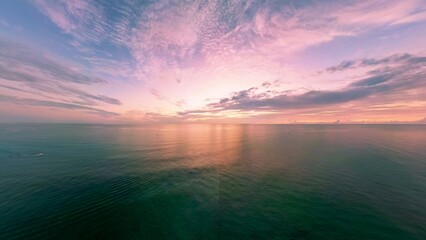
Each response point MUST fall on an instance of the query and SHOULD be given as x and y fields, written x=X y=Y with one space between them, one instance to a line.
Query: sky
x=219 y=61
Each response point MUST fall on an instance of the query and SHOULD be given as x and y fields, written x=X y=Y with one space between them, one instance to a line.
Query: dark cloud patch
x=62 y=105
x=268 y=84
x=241 y=95
x=404 y=58
x=372 y=81
x=308 y=99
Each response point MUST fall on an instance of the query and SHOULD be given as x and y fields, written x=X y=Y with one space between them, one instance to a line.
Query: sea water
x=61 y=181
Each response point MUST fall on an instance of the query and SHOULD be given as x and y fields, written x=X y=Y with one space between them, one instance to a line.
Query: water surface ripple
x=212 y=182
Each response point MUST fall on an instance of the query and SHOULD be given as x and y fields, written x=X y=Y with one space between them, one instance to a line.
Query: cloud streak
x=21 y=64
x=32 y=72
x=395 y=59
x=53 y=104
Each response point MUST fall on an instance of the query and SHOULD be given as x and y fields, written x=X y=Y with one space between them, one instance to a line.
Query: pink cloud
x=215 y=48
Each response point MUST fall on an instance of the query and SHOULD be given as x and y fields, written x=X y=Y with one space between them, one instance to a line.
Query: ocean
x=75 y=181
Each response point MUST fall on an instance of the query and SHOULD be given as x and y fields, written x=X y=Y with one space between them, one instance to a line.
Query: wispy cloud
x=83 y=19
x=93 y=21
x=162 y=97
x=23 y=64
x=171 y=36
x=172 y=55
x=25 y=70
x=396 y=59
x=381 y=12
x=53 y=104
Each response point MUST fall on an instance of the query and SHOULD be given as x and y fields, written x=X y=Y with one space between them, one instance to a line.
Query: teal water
x=212 y=182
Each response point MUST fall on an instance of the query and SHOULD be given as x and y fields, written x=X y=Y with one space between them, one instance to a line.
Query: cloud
x=408 y=72
x=216 y=47
x=75 y=17
x=159 y=96
x=23 y=64
x=168 y=36
x=382 y=12
x=53 y=83
x=372 y=62
x=62 y=105
x=40 y=74
x=91 y=21
x=99 y=30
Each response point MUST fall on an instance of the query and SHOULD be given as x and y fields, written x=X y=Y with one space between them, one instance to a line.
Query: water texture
x=212 y=181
